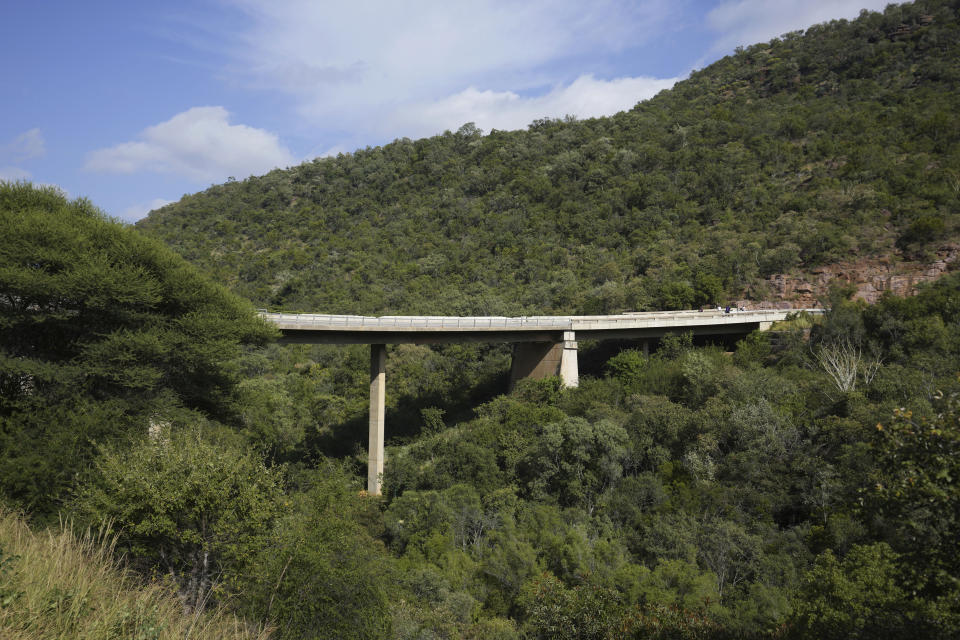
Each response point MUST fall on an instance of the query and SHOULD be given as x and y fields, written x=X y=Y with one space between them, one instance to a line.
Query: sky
x=134 y=104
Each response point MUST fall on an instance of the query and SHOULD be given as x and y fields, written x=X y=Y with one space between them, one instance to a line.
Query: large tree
x=102 y=331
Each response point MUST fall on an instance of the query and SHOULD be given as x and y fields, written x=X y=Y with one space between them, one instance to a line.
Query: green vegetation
x=752 y=493
x=58 y=586
x=103 y=332
x=324 y=575
x=834 y=144
x=189 y=509
x=803 y=487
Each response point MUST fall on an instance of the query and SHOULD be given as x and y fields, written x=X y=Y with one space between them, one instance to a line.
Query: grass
x=797 y=320
x=58 y=585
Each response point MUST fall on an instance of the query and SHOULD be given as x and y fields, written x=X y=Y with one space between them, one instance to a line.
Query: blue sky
x=133 y=104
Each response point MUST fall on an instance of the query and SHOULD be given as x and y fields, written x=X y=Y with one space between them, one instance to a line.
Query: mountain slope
x=841 y=141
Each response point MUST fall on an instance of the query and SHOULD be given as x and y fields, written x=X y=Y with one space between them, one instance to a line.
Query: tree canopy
x=102 y=331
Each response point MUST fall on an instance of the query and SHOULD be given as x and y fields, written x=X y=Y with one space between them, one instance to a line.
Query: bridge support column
x=569 y=369
x=378 y=389
x=540 y=360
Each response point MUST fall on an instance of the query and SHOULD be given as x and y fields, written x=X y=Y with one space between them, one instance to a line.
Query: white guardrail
x=324 y=322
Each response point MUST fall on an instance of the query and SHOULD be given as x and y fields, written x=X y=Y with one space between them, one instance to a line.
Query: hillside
x=837 y=143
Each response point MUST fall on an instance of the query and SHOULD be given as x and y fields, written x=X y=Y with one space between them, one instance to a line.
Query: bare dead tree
x=869 y=368
x=840 y=360
x=844 y=362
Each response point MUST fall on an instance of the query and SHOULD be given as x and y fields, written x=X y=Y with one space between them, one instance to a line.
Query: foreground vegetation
x=56 y=585
x=102 y=332
x=803 y=485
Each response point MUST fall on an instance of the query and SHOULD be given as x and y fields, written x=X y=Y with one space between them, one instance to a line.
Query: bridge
x=543 y=345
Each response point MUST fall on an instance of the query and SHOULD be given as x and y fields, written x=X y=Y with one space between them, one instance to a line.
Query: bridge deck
x=344 y=329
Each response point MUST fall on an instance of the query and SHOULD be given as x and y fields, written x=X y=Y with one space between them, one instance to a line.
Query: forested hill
x=842 y=141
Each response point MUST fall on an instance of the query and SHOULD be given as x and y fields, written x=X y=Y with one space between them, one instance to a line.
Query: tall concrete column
x=378 y=393
x=569 y=371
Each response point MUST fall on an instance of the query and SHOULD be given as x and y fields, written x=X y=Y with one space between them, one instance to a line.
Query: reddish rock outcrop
x=871 y=277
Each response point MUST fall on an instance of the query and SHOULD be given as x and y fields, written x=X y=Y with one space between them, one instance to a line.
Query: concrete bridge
x=543 y=345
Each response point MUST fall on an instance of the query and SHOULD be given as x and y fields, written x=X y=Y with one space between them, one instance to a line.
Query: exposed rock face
x=871 y=277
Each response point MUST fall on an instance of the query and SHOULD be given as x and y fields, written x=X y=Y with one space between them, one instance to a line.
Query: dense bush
x=102 y=332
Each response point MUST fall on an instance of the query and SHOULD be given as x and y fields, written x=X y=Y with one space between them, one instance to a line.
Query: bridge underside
x=308 y=336
x=536 y=354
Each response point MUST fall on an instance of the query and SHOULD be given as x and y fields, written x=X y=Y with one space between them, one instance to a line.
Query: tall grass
x=58 y=585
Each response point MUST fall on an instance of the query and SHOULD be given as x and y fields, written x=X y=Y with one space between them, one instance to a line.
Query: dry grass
x=55 y=584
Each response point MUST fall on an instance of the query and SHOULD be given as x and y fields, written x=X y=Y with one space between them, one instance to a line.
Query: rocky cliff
x=871 y=277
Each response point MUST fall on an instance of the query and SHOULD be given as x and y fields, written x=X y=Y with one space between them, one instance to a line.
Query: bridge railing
x=416 y=322
x=468 y=323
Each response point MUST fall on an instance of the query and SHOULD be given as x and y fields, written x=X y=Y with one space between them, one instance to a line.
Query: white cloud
x=136 y=211
x=366 y=67
x=334 y=151
x=199 y=144
x=27 y=146
x=12 y=174
x=401 y=48
x=585 y=97
x=746 y=22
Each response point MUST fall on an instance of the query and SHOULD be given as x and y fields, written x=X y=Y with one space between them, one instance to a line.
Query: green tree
x=914 y=502
x=184 y=507
x=680 y=583
x=101 y=331
x=556 y=612
x=858 y=597
x=322 y=575
x=574 y=461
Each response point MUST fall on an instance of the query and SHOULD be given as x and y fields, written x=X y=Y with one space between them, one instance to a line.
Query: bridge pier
x=540 y=360
x=569 y=369
x=378 y=393
x=544 y=346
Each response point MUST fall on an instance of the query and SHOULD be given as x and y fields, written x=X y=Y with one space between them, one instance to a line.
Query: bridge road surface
x=544 y=345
